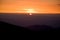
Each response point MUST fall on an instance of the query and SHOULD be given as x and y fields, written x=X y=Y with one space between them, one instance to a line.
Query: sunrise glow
x=30 y=6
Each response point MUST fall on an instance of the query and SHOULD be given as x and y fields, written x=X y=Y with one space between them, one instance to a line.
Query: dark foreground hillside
x=6 y=27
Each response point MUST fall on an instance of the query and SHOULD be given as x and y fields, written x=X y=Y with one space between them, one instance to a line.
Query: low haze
x=36 y=19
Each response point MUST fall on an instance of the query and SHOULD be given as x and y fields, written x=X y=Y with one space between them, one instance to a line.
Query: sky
x=38 y=6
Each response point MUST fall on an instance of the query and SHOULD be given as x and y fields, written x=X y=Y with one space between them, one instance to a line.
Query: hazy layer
x=26 y=20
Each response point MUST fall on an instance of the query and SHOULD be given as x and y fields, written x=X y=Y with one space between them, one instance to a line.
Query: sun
x=30 y=11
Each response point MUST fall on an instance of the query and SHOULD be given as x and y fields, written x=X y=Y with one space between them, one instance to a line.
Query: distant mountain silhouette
x=6 y=27
x=40 y=27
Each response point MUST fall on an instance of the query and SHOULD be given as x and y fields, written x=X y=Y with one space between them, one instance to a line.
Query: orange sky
x=40 y=6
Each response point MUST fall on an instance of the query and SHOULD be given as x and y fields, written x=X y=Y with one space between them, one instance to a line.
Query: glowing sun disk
x=30 y=10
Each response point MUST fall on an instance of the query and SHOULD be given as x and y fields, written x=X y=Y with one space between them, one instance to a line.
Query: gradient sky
x=40 y=6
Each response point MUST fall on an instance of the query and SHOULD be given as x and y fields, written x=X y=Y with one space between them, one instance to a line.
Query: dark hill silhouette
x=6 y=27
x=11 y=28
